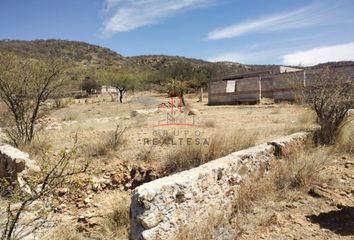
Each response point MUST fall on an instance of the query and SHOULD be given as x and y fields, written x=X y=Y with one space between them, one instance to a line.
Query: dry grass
x=69 y=117
x=297 y=172
x=189 y=156
x=275 y=111
x=115 y=223
x=37 y=148
x=146 y=154
x=202 y=230
x=107 y=143
x=62 y=102
x=60 y=231
x=183 y=158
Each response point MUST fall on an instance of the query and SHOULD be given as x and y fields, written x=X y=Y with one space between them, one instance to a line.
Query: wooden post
x=201 y=95
x=260 y=88
x=304 y=78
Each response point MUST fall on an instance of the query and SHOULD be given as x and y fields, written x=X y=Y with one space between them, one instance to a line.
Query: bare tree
x=39 y=188
x=330 y=94
x=24 y=85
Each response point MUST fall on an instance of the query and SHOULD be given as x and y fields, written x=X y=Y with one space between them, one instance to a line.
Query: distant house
x=108 y=89
x=251 y=87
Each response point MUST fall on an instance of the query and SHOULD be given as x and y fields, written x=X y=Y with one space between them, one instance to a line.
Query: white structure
x=108 y=89
x=284 y=69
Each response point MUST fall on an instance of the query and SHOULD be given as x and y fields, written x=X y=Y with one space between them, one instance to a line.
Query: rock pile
x=125 y=178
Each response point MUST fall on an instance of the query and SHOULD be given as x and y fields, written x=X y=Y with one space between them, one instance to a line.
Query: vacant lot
x=145 y=137
x=123 y=142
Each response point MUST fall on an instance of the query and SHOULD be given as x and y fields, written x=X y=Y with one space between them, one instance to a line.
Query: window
x=230 y=86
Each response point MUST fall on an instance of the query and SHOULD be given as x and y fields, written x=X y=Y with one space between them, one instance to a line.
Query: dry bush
x=297 y=172
x=146 y=154
x=300 y=170
x=107 y=143
x=189 y=156
x=251 y=191
x=115 y=223
x=61 y=102
x=96 y=149
x=330 y=96
x=115 y=138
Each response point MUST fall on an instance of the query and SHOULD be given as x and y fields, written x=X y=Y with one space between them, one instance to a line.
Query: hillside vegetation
x=150 y=71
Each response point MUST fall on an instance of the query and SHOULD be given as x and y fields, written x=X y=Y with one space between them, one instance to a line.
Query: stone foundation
x=161 y=208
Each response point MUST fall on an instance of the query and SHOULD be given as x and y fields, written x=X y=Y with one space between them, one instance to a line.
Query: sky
x=292 y=32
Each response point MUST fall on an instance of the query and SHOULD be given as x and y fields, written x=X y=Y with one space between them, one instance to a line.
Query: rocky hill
x=96 y=56
x=90 y=55
x=80 y=52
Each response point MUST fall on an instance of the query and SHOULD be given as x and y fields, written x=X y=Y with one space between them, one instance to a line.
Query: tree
x=330 y=95
x=24 y=85
x=176 y=88
x=90 y=85
x=122 y=81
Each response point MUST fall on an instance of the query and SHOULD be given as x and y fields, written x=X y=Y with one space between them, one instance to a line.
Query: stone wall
x=14 y=162
x=161 y=208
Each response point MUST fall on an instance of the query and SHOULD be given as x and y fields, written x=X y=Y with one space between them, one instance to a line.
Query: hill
x=80 y=52
x=99 y=57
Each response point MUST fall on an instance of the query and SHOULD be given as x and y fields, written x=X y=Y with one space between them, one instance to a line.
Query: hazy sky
x=289 y=32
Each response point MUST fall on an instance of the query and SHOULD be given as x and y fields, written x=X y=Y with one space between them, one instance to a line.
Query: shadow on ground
x=338 y=221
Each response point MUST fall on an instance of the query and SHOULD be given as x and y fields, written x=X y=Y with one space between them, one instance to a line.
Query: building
x=251 y=87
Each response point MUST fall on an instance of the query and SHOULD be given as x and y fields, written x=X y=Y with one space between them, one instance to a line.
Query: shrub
x=25 y=84
x=330 y=96
x=90 y=85
x=297 y=172
x=109 y=142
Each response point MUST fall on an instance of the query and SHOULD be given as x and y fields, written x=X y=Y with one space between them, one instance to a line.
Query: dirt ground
x=325 y=214
x=90 y=121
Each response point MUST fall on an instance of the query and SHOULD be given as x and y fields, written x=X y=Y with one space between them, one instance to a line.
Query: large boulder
x=14 y=162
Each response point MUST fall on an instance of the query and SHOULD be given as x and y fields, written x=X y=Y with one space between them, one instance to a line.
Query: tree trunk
x=121 y=94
